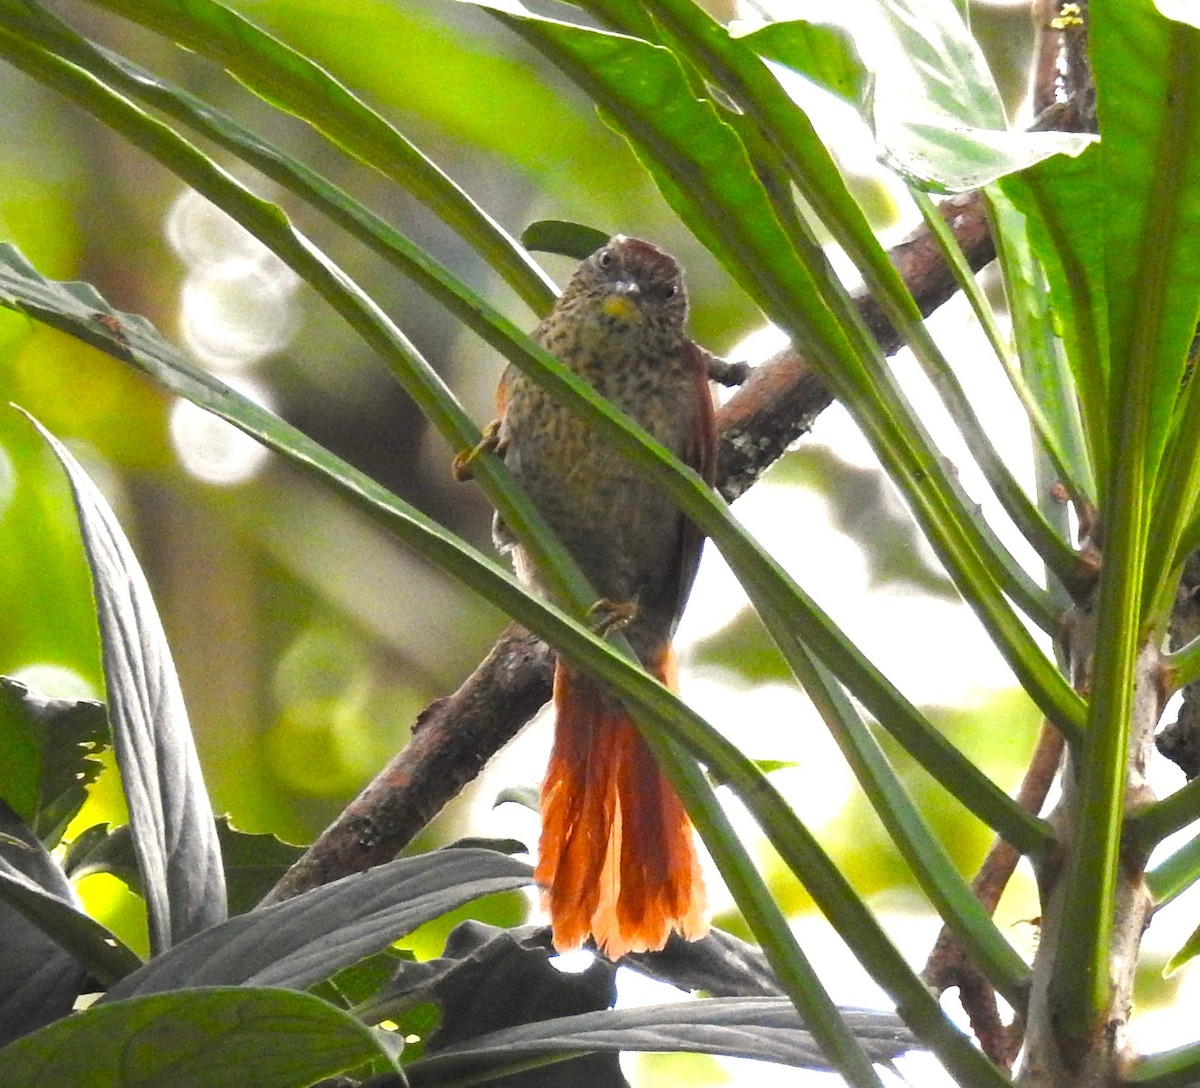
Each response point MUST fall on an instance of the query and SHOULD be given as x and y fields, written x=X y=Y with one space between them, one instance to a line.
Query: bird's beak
x=622 y=300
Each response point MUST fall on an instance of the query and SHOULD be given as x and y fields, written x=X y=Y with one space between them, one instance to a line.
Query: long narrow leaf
x=174 y=831
x=1172 y=876
x=1149 y=107
x=927 y=858
x=747 y=80
x=90 y=943
x=1043 y=383
x=1148 y=80
x=1060 y=199
x=761 y=1028
x=287 y=78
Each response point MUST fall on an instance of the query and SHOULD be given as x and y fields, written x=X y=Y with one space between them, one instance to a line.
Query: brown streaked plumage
x=617 y=857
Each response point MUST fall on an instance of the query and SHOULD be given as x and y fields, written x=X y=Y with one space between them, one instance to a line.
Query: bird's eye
x=669 y=291
x=605 y=259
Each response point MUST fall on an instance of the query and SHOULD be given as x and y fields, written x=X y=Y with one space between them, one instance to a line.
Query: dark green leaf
x=482 y=842
x=36 y=899
x=40 y=979
x=762 y=1028
x=207 y=1039
x=821 y=52
x=354 y=984
x=306 y=939
x=253 y=863
x=565 y=239
x=497 y=979
x=49 y=748
x=1061 y=200
x=528 y=796
x=174 y=833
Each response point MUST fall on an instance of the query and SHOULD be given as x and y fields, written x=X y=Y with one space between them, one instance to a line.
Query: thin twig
x=950 y=964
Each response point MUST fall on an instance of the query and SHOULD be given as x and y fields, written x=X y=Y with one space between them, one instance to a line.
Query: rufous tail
x=617 y=858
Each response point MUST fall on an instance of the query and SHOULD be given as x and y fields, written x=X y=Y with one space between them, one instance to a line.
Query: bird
x=617 y=858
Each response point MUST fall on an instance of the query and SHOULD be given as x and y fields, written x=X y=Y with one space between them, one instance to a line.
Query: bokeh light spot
x=212 y=450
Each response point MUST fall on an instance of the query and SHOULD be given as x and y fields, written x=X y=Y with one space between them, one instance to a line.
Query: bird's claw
x=608 y=617
x=462 y=464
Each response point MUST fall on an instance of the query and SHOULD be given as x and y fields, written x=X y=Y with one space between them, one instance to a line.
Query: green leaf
x=50 y=748
x=565 y=239
x=50 y=906
x=253 y=863
x=1188 y=951
x=41 y=979
x=936 y=111
x=1177 y=872
x=1043 y=383
x=1148 y=98
x=310 y=937
x=1061 y=201
x=823 y=53
x=519 y=795
x=761 y=1028
x=1147 y=70
x=1177 y=1068
x=201 y=1039
x=289 y=80
x=174 y=833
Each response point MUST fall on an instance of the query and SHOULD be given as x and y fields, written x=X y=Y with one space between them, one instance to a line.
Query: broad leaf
x=36 y=900
x=49 y=748
x=253 y=863
x=39 y=980
x=498 y=979
x=174 y=833
x=937 y=113
x=304 y=940
x=763 y=1028
x=200 y=1039
x=821 y=52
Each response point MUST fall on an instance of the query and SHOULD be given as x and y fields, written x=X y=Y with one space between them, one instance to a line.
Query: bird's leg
x=489 y=443
x=608 y=617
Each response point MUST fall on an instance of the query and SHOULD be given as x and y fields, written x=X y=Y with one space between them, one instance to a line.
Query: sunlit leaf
x=49 y=748
x=201 y=1039
x=937 y=113
x=821 y=52
x=174 y=833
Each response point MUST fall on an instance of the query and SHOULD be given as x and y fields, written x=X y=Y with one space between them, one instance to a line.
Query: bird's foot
x=462 y=464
